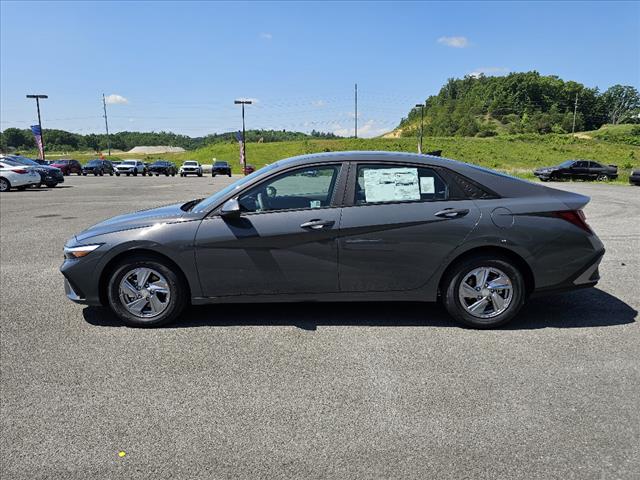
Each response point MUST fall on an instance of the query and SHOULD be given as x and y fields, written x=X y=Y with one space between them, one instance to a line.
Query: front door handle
x=317 y=224
x=452 y=213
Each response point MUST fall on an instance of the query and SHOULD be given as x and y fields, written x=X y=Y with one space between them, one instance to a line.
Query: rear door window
x=398 y=183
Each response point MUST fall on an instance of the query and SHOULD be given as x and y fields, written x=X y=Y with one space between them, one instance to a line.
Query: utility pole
x=575 y=111
x=38 y=97
x=421 y=106
x=106 y=123
x=356 y=117
x=244 y=145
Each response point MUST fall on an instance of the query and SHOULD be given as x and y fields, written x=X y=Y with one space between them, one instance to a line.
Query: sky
x=178 y=66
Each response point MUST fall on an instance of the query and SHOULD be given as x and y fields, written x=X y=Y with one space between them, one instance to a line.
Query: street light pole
x=38 y=97
x=421 y=125
x=244 y=143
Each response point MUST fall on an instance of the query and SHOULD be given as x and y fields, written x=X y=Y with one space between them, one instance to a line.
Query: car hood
x=144 y=218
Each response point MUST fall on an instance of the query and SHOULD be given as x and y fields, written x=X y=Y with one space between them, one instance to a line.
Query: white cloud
x=488 y=71
x=455 y=42
x=318 y=103
x=368 y=129
x=266 y=36
x=115 y=99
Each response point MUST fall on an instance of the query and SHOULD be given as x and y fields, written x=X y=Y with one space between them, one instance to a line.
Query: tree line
x=521 y=103
x=61 y=140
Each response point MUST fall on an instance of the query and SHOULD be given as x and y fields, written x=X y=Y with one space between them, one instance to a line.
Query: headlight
x=79 y=252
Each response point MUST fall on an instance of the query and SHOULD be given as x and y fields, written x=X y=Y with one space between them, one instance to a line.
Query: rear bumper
x=585 y=277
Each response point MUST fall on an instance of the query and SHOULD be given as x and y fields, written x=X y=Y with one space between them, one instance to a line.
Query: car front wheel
x=484 y=292
x=5 y=186
x=144 y=292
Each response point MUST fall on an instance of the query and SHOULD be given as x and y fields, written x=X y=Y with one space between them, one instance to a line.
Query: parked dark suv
x=221 y=168
x=162 y=167
x=577 y=170
x=98 y=167
x=68 y=166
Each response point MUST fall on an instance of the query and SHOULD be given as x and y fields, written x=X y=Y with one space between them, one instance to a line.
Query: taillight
x=21 y=171
x=576 y=217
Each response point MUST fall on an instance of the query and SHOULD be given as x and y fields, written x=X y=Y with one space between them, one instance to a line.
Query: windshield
x=211 y=201
x=221 y=164
x=11 y=163
x=566 y=164
x=61 y=162
x=24 y=161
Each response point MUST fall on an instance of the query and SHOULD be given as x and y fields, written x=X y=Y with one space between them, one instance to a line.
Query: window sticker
x=391 y=184
x=427 y=185
x=315 y=204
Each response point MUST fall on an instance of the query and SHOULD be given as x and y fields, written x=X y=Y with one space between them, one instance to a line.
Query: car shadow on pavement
x=580 y=309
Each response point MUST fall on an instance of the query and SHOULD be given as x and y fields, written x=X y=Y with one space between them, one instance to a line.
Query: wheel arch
x=514 y=257
x=110 y=266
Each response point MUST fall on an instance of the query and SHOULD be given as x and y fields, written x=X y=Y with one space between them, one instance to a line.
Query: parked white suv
x=18 y=176
x=131 y=167
x=190 y=167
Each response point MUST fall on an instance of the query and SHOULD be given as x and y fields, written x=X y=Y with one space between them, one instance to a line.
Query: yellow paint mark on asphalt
x=122 y=453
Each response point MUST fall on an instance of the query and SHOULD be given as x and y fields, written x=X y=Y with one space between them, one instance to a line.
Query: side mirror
x=230 y=209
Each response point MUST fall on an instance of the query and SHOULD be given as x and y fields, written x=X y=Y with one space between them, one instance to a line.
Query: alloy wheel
x=485 y=292
x=144 y=292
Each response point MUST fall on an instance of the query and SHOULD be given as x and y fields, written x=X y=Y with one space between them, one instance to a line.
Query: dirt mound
x=157 y=149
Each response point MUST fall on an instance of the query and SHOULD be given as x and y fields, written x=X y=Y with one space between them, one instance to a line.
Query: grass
x=514 y=154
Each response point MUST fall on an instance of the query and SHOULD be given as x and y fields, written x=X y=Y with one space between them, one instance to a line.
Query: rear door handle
x=317 y=224
x=452 y=213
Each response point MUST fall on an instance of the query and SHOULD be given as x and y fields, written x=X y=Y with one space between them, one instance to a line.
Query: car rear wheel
x=484 y=292
x=144 y=292
x=602 y=178
x=5 y=186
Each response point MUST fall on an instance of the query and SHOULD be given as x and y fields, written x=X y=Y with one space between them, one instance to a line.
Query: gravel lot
x=310 y=390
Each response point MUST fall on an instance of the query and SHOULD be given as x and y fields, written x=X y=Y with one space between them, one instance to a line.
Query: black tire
x=229 y=173
x=117 y=174
x=455 y=276
x=5 y=185
x=213 y=174
x=38 y=185
x=178 y=292
x=200 y=174
x=51 y=185
x=95 y=173
x=111 y=174
x=603 y=178
x=101 y=173
x=84 y=174
x=66 y=174
x=135 y=173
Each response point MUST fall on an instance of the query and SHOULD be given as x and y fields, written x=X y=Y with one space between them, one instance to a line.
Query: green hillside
x=520 y=103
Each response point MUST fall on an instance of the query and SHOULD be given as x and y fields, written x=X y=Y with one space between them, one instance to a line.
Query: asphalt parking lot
x=310 y=390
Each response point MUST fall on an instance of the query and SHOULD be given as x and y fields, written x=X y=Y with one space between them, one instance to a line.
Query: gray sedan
x=349 y=226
